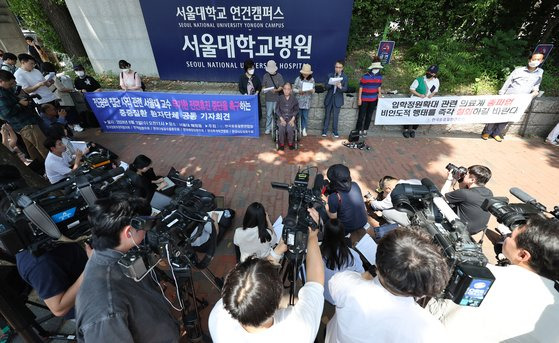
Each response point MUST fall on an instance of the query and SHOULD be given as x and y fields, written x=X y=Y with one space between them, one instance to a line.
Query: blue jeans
x=304 y=116
x=270 y=108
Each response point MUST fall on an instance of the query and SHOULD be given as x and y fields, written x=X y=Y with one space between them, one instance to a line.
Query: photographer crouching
x=345 y=200
x=111 y=306
x=523 y=303
x=468 y=198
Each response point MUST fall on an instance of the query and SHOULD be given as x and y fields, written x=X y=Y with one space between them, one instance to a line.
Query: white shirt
x=249 y=243
x=522 y=81
x=366 y=312
x=429 y=84
x=521 y=306
x=356 y=266
x=28 y=79
x=386 y=203
x=57 y=167
x=297 y=323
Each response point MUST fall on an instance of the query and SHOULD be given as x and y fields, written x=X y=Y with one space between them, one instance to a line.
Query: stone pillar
x=111 y=31
x=11 y=38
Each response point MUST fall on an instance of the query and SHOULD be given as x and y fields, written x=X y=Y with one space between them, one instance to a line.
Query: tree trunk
x=32 y=178
x=551 y=26
x=62 y=22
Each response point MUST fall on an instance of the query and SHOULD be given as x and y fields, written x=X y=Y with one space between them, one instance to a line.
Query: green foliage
x=36 y=20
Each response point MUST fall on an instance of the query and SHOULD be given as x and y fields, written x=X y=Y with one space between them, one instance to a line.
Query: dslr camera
x=458 y=173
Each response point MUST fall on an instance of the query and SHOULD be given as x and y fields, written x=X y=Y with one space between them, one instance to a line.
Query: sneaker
x=412 y=133
x=291 y=147
x=281 y=147
x=323 y=135
x=267 y=132
x=485 y=136
x=304 y=132
x=555 y=143
x=406 y=134
x=498 y=138
x=77 y=128
x=336 y=135
x=364 y=132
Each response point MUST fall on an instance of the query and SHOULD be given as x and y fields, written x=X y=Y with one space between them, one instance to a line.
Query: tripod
x=190 y=303
x=290 y=268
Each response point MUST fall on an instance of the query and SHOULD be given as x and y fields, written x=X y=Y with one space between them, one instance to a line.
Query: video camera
x=424 y=205
x=513 y=216
x=40 y=220
x=298 y=220
x=170 y=235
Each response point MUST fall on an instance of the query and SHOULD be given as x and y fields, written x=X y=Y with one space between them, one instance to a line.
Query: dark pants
x=365 y=115
x=413 y=127
x=495 y=129
x=331 y=112
x=282 y=130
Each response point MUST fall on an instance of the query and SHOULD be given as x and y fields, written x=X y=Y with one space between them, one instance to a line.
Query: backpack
x=142 y=85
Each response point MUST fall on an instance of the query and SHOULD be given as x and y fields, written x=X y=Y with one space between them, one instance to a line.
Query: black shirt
x=88 y=83
x=468 y=206
x=349 y=207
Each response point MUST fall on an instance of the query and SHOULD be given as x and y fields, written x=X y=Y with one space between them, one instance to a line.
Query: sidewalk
x=241 y=169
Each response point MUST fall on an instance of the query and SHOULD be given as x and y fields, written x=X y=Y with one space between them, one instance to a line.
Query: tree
x=60 y=18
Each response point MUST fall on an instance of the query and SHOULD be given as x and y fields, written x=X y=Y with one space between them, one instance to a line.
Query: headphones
x=144 y=223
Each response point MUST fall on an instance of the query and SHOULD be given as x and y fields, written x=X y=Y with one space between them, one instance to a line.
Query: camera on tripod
x=298 y=220
x=424 y=205
x=170 y=234
x=458 y=173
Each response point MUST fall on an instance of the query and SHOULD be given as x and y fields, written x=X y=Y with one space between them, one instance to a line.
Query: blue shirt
x=54 y=271
x=349 y=207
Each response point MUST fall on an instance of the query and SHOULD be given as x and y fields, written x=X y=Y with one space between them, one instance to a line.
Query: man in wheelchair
x=287 y=108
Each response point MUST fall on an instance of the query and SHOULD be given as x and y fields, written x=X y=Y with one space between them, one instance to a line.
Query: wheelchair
x=275 y=131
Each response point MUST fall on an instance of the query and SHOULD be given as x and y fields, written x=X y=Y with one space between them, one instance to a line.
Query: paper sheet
x=334 y=80
x=368 y=247
x=278 y=229
x=307 y=86
x=50 y=76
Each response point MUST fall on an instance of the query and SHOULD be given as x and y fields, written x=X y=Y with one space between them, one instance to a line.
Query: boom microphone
x=526 y=198
x=318 y=185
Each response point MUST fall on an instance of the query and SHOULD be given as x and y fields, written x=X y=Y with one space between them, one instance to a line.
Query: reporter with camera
x=110 y=306
x=345 y=200
x=523 y=303
x=57 y=163
x=16 y=112
x=249 y=309
x=389 y=213
x=384 y=308
x=468 y=198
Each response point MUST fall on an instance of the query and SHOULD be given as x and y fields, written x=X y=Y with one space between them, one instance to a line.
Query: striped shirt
x=370 y=83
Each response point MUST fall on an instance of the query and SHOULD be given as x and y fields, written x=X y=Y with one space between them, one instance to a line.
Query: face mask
x=428 y=75
x=534 y=64
x=250 y=71
x=80 y=73
x=375 y=71
x=125 y=70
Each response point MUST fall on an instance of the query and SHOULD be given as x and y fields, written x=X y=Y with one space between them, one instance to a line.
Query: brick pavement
x=241 y=169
